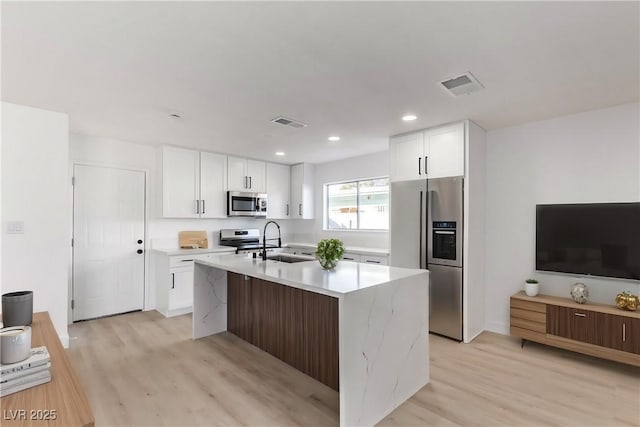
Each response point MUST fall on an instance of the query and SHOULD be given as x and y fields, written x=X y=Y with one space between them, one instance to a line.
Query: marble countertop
x=211 y=250
x=347 y=277
x=355 y=249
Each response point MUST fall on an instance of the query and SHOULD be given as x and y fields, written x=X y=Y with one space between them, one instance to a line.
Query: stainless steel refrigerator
x=426 y=231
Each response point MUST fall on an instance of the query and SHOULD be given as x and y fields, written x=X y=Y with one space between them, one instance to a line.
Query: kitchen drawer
x=181 y=261
x=350 y=256
x=308 y=252
x=370 y=259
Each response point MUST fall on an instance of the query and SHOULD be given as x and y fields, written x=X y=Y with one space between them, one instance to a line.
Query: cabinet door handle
x=173 y=280
x=197 y=206
x=370 y=261
x=287 y=209
x=250 y=182
x=426 y=171
x=580 y=314
x=419 y=165
x=186 y=260
x=300 y=209
x=203 y=206
x=624 y=332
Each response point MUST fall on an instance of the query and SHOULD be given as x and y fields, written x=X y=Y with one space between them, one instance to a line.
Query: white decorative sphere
x=579 y=293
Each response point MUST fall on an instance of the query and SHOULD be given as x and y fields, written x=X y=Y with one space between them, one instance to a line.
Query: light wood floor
x=143 y=369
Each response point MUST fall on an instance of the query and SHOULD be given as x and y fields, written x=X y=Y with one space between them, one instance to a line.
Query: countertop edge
x=296 y=284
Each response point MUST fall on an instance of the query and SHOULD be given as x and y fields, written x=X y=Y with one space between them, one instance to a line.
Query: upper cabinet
x=407 y=153
x=278 y=191
x=302 y=191
x=213 y=185
x=246 y=175
x=445 y=155
x=433 y=153
x=180 y=183
x=193 y=184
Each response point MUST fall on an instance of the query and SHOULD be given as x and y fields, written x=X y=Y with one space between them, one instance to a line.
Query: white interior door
x=108 y=233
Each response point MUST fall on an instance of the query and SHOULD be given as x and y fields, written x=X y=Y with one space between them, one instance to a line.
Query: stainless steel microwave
x=246 y=204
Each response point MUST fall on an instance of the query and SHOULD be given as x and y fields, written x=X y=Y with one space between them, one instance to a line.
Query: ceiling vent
x=289 y=122
x=462 y=85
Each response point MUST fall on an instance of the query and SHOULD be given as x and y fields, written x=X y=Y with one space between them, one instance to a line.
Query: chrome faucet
x=264 y=239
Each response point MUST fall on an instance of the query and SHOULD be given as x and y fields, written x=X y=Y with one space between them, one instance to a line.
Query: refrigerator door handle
x=423 y=228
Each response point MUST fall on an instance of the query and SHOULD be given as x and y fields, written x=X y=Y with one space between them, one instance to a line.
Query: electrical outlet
x=15 y=227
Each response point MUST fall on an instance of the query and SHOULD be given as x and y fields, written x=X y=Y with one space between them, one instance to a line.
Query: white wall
x=582 y=158
x=367 y=166
x=160 y=232
x=37 y=191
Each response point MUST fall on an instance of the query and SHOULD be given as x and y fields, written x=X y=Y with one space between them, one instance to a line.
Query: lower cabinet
x=296 y=326
x=181 y=290
x=598 y=330
x=172 y=278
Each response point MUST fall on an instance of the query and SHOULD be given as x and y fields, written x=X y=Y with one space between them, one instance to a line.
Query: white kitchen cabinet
x=351 y=256
x=432 y=153
x=407 y=154
x=172 y=278
x=181 y=290
x=446 y=151
x=246 y=175
x=371 y=259
x=278 y=191
x=180 y=182
x=213 y=185
x=193 y=184
x=302 y=191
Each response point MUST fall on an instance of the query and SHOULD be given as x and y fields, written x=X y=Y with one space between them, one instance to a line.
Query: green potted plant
x=328 y=252
x=531 y=287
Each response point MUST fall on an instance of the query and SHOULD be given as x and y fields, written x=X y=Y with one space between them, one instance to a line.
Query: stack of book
x=33 y=371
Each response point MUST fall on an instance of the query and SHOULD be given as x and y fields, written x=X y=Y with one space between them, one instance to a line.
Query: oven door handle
x=443 y=232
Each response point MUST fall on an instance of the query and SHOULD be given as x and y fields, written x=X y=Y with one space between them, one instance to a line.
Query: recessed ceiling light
x=279 y=153
x=334 y=138
x=409 y=117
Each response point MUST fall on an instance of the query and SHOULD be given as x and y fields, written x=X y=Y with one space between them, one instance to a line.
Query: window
x=358 y=205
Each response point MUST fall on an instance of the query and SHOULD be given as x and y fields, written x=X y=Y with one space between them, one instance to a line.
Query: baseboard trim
x=64 y=339
x=497 y=327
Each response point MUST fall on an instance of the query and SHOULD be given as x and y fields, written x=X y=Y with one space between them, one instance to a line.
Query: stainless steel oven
x=246 y=204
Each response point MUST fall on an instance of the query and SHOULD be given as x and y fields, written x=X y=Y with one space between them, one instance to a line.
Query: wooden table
x=63 y=394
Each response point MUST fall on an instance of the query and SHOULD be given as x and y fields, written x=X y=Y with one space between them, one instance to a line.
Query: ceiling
x=353 y=69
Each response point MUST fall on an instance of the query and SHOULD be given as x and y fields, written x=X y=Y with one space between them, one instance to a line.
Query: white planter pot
x=531 y=289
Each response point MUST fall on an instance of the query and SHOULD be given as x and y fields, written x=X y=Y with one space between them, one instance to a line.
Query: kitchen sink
x=287 y=259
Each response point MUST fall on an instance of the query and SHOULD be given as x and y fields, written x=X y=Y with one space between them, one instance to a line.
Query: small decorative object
x=579 y=293
x=627 y=301
x=328 y=252
x=17 y=308
x=531 y=287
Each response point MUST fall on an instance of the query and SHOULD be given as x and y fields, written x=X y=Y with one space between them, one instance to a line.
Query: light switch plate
x=15 y=227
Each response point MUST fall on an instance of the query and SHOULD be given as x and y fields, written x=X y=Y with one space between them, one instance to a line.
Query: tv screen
x=600 y=239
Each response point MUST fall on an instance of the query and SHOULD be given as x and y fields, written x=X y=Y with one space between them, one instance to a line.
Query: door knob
x=139 y=251
x=139 y=241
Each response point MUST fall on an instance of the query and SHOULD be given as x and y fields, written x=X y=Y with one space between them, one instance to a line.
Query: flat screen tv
x=600 y=239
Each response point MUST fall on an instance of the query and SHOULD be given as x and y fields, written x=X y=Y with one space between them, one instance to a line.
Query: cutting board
x=193 y=239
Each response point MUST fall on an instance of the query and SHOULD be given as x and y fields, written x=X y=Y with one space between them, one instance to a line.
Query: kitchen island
x=361 y=329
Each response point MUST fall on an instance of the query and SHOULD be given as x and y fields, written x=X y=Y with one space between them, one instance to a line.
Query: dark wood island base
x=296 y=326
